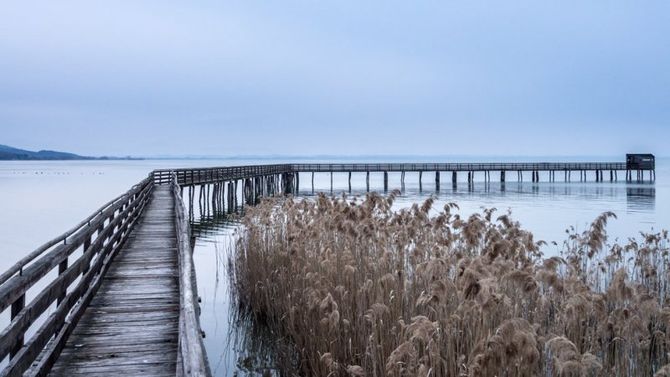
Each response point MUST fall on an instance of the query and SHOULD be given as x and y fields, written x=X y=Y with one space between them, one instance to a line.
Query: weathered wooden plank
x=78 y=298
x=131 y=326
x=23 y=317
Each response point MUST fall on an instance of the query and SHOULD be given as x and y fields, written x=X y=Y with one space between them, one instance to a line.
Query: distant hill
x=11 y=153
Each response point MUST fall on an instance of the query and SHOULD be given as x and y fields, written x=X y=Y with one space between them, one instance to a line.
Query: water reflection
x=236 y=345
x=212 y=224
x=641 y=198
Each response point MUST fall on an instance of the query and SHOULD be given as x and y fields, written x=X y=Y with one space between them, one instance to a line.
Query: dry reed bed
x=362 y=290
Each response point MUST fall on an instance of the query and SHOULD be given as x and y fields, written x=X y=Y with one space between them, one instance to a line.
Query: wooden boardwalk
x=131 y=327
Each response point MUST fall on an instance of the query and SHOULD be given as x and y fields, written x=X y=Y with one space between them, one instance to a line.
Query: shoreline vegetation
x=354 y=288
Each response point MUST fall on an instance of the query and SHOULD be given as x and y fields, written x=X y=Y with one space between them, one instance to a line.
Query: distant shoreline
x=8 y=153
x=74 y=159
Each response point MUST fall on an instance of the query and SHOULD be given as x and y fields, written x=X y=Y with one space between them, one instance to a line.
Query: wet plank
x=131 y=326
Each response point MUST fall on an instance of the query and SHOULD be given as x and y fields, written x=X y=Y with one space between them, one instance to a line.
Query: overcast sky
x=336 y=77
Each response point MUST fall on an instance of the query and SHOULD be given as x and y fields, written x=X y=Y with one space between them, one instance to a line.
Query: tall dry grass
x=360 y=289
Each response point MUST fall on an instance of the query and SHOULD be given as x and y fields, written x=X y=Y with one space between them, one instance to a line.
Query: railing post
x=62 y=267
x=87 y=245
x=17 y=306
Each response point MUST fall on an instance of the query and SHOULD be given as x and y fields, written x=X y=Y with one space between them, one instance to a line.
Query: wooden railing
x=98 y=238
x=187 y=177
x=192 y=357
x=479 y=166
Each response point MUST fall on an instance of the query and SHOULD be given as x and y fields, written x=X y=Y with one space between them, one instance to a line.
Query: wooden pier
x=132 y=323
x=262 y=180
x=116 y=294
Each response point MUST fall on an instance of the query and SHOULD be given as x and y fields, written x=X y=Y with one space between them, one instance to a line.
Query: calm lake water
x=40 y=200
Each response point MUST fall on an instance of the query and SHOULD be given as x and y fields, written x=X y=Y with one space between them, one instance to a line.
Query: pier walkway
x=131 y=327
x=114 y=296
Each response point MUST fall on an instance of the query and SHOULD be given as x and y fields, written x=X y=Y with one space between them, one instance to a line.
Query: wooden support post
x=255 y=184
x=420 y=183
x=349 y=181
x=207 y=202
x=213 y=198
x=235 y=196
x=437 y=181
x=246 y=191
x=312 y=182
x=222 y=200
x=502 y=176
x=231 y=197
x=454 y=177
x=297 y=182
x=367 y=181
x=386 y=181
x=331 y=181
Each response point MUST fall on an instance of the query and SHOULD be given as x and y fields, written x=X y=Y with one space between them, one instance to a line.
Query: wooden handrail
x=18 y=266
x=99 y=237
x=192 y=355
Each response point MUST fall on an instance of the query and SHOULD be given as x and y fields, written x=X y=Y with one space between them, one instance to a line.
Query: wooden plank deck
x=131 y=326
